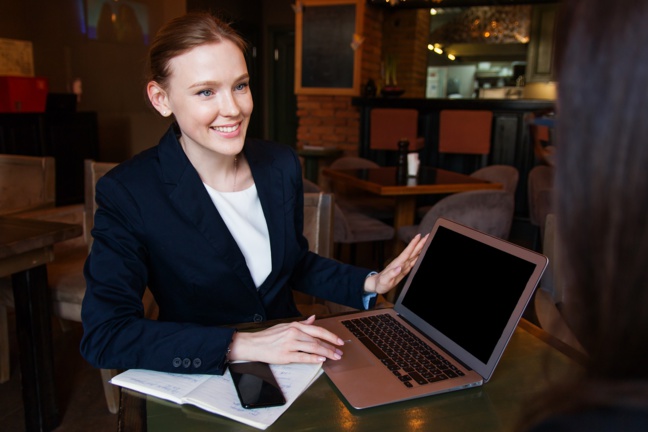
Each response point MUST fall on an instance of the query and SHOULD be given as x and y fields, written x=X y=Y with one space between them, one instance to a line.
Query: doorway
x=282 y=116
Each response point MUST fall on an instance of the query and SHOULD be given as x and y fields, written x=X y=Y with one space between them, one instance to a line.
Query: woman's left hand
x=397 y=269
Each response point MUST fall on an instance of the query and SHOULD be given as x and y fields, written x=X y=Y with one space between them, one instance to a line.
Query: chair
x=26 y=183
x=506 y=175
x=549 y=296
x=359 y=201
x=352 y=227
x=390 y=125
x=65 y=273
x=540 y=131
x=490 y=211
x=464 y=139
x=318 y=230
x=540 y=196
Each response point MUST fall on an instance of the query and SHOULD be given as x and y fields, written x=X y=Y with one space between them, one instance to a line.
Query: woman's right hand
x=295 y=342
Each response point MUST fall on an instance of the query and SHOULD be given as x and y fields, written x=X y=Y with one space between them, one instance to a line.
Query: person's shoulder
x=136 y=166
x=601 y=420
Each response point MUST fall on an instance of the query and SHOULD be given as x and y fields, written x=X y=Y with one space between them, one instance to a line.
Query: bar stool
x=464 y=139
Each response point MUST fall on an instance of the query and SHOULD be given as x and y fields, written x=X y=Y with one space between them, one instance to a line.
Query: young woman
x=602 y=206
x=211 y=222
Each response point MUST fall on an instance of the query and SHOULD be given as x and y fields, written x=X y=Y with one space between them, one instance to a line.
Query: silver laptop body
x=463 y=299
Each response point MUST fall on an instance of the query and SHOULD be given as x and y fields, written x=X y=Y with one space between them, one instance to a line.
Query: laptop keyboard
x=410 y=360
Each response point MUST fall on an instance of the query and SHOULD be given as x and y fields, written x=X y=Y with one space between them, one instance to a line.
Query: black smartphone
x=255 y=385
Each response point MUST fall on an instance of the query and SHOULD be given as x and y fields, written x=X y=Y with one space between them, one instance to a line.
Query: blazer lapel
x=189 y=197
x=269 y=181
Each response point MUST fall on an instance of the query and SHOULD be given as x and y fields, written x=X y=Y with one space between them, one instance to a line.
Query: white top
x=245 y=220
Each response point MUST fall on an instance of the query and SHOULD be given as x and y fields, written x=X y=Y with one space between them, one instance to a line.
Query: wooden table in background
x=25 y=249
x=532 y=360
x=384 y=182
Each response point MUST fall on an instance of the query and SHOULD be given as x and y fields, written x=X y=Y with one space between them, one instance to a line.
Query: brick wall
x=405 y=34
x=331 y=121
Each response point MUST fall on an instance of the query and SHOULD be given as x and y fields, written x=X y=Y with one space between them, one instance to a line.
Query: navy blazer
x=157 y=226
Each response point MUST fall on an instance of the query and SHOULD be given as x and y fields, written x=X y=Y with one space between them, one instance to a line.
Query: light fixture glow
x=433 y=11
x=451 y=57
x=438 y=50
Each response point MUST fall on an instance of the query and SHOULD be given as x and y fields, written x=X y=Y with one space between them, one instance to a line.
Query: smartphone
x=255 y=385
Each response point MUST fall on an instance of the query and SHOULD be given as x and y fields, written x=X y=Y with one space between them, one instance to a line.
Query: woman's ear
x=158 y=97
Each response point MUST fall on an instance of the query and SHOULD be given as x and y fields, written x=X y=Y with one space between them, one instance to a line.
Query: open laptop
x=463 y=299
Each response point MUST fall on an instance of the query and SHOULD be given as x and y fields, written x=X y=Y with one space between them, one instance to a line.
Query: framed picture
x=327 y=46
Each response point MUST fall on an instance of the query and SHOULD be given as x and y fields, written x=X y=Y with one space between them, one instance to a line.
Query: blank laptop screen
x=467 y=290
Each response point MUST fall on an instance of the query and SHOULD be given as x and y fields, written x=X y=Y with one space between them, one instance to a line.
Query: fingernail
x=340 y=341
x=338 y=352
x=321 y=359
x=337 y=356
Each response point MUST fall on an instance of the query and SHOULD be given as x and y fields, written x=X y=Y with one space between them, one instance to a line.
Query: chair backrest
x=351 y=162
x=507 y=175
x=540 y=194
x=93 y=172
x=490 y=211
x=26 y=183
x=465 y=131
x=390 y=125
x=318 y=222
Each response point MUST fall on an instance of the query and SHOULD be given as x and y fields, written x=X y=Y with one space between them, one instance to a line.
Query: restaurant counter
x=510 y=143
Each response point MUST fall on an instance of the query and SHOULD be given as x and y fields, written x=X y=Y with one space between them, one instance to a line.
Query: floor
x=80 y=392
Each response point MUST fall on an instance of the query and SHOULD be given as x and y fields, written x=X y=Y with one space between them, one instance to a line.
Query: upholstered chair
x=490 y=211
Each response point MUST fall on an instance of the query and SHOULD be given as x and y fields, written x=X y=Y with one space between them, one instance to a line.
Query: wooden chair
x=26 y=183
x=318 y=230
x=351 y=227
x=464 y=139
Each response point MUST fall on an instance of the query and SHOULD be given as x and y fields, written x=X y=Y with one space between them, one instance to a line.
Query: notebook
x=462 y=300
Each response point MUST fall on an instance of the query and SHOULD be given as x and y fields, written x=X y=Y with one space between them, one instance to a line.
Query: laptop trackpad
x=355 y=356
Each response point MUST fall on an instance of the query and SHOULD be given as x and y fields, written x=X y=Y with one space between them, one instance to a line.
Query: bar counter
x=510 y=145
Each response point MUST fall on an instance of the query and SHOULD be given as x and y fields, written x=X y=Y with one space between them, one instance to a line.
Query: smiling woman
x=212 y=222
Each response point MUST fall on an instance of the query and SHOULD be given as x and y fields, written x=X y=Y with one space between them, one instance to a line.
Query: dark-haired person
x=211 y=222
x=602 y=215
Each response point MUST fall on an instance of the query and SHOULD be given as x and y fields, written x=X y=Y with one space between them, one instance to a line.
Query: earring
x=164 y=113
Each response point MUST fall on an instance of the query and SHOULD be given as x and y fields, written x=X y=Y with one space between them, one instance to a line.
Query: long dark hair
x=602 y=198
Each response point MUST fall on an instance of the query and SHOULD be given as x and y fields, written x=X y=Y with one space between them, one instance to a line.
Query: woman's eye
x=242 y=86
x=205 y=93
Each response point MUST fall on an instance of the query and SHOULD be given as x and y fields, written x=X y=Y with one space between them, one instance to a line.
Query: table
x=312 y=157
x=532 y=360
x=25 y=249
x=383 y=181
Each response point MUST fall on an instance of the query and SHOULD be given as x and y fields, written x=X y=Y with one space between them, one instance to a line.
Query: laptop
x=458 y=308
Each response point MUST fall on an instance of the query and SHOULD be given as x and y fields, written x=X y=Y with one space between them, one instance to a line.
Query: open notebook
x=457 y=311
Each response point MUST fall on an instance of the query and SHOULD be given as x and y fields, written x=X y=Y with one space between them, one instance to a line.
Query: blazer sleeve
x=324 y=277
x=116 y=333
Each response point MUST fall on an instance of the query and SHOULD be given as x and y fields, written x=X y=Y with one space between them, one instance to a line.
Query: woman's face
x=208 y=91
